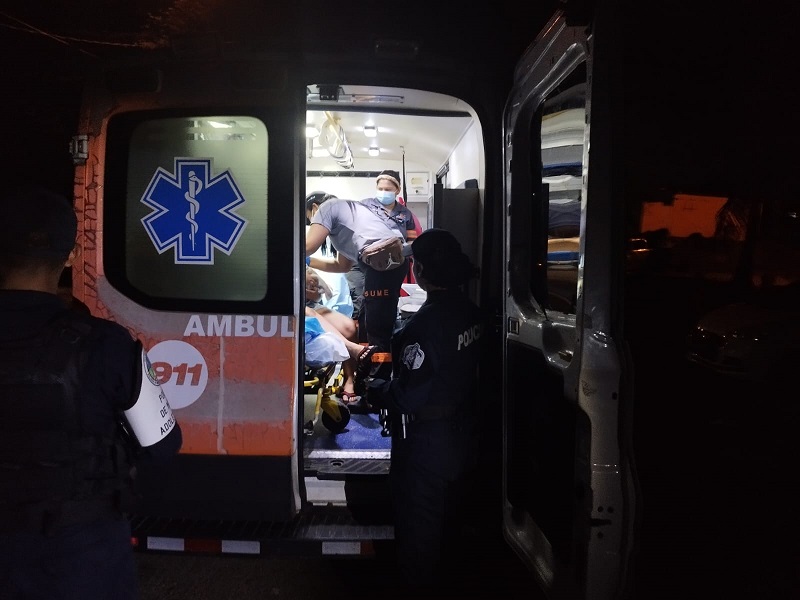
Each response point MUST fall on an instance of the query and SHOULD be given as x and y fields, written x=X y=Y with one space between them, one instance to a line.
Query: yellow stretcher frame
x=327 y=381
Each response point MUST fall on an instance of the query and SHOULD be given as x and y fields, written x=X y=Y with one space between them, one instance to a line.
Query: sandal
x=363 y=368
x=349 y=397
x=364 y=362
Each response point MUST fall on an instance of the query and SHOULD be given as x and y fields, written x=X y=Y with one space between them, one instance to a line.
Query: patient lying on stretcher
x=340 y=325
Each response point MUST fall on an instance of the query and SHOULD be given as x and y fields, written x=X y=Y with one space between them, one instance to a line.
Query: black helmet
x=442 y=259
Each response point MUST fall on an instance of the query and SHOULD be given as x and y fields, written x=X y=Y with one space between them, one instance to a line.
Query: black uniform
x=435 y=356
x=65 y=461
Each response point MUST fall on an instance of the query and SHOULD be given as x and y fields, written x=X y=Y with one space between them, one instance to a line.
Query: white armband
x=150 y=418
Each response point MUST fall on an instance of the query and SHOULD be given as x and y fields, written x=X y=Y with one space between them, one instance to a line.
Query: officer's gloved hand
x=376 y=391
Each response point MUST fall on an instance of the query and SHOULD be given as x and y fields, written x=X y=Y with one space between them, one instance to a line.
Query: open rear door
x=569 y=484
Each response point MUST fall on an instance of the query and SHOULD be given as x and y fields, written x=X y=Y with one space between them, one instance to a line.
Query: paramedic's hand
x=376 y=390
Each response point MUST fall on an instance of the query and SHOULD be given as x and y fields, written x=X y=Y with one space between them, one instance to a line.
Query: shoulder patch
x=413 y=357
x=147 y=367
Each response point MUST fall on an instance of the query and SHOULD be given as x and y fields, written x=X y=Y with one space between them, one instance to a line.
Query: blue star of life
x=193 y=212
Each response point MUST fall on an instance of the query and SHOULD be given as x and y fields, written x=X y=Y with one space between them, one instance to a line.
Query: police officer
x=79 y=403
x=431 y=399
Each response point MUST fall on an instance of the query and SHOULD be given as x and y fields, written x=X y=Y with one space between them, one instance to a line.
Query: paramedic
x=352 y=228
x=68 y=381
x=387 y=204
x=355 y=276
x=431 y=398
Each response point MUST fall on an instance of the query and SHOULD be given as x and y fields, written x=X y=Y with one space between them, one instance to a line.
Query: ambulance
x=192 y=165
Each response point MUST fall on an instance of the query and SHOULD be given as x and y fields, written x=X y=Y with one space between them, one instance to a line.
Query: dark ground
x=716 y=458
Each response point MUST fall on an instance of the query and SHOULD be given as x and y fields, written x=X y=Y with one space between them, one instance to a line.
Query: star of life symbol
x=193 y=212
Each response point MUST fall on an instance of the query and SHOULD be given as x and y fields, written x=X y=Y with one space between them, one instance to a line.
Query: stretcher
x=324 y=380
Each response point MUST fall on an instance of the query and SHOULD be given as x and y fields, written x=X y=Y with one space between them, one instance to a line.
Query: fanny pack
x=384 y=255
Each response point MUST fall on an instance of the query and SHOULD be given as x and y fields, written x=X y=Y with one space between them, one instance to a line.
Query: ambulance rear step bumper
x=336 y=466
x=318 y=530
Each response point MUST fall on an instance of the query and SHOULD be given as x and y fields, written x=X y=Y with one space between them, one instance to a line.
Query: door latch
x=79 y=149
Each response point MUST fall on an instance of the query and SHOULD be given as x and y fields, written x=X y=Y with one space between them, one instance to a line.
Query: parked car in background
x=756 y=339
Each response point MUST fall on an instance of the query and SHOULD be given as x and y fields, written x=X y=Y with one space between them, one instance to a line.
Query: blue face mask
x=385 y=197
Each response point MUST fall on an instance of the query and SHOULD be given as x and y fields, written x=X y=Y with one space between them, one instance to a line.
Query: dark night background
x=710 y=101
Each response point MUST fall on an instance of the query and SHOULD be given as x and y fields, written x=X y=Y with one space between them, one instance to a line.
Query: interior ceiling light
x=370 y=131
x=373 y=151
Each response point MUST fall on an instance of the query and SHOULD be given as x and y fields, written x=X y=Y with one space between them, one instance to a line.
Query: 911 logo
x=193 y=212
x=181 y=370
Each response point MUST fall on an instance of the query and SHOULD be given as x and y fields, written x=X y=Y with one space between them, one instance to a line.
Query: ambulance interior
x=436 y=144
x=352 y=134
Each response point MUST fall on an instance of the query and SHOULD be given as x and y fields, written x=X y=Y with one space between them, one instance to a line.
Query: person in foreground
x=431 y=400
x=79 y=405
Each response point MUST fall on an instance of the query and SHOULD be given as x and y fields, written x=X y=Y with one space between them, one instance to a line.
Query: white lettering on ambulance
x=219 y=325
x=239 y=326
x=285 y=331
x=273 y=326
x=244 y=326
x=194 y=327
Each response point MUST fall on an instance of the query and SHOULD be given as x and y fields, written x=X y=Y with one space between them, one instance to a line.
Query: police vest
x=52 y=471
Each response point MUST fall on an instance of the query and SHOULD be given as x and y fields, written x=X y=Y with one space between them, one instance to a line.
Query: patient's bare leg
x=353 y=349
x=337 y=324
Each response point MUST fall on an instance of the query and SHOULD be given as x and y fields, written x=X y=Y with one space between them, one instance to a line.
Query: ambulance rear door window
x=194 y=223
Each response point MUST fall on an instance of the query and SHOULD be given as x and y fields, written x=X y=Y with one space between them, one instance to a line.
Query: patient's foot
x=348 y=393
